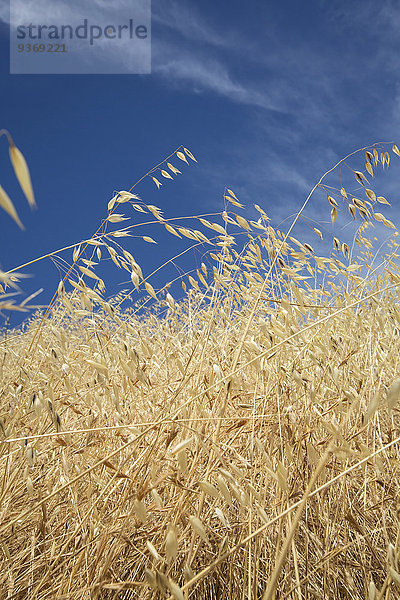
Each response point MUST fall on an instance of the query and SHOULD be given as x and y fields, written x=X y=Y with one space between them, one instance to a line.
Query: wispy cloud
x=185 y=19
x=313 y=83
x=209 y=74
x=198 y=55
x=315 y=102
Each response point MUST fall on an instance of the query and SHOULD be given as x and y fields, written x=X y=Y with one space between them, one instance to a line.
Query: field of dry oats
x=240 y=443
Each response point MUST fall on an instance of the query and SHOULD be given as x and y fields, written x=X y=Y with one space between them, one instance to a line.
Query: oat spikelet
x=22 y=172
x=8 y=206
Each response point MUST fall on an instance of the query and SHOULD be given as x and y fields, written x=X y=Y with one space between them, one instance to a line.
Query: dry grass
x=241 y=443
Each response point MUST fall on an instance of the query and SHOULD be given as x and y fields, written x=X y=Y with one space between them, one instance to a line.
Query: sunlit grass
x=239 y=442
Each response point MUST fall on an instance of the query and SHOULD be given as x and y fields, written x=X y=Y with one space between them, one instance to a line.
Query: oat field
x=241 y=442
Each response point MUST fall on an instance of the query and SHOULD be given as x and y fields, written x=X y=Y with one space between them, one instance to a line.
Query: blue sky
x=267 y=95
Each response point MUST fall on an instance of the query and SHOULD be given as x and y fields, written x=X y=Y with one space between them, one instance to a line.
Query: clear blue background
x=267 y=95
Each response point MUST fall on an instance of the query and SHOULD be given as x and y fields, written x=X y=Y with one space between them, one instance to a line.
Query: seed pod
x=157 y=498
x=175 y=590
x=222 y=518
x=22 y=172
x=208 y=488
x=171 y=544
x=182 y=445
x=371 y=591
x=150 y=578
x=153 y=551
x=29 y=486
x=223 y=488
x=140 y=511
x=198 y=528
x=182 y=461
x=30 y=455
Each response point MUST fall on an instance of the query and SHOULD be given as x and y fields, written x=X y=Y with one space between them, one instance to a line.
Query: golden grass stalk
x=240 y=442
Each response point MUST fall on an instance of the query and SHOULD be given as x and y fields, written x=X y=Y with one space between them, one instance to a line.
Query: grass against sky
x=267 y=95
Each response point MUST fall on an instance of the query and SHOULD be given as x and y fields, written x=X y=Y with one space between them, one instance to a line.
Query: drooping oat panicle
x=139 y=457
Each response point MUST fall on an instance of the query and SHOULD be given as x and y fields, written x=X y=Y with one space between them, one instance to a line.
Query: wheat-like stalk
x=239 y=442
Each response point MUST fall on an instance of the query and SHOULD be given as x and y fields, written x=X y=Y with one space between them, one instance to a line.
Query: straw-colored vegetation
x=240 y=443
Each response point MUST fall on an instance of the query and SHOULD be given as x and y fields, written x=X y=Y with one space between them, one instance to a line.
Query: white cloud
x=206 y=74
x=184 y=18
